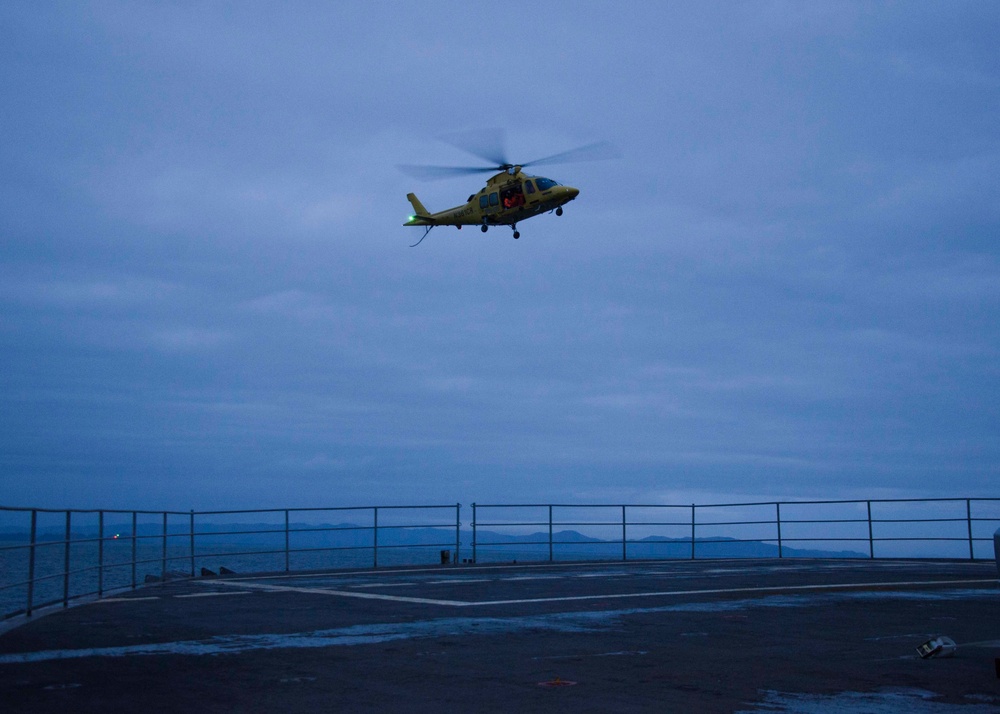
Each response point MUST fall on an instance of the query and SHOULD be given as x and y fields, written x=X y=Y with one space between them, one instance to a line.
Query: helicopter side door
x=512 y=196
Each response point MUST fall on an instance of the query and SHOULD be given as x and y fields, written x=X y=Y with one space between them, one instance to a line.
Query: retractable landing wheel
x=483 y=229
x=514 y=228
x=559 y=211
x=516 y=235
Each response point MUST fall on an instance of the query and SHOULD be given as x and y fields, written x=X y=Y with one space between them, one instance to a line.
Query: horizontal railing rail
x=54 y=556
x=713 y=527
x=81 y=553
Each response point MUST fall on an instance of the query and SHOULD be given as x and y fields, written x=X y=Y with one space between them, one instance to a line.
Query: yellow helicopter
x=508 y=197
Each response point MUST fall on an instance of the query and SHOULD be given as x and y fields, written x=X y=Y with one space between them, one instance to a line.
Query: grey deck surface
x=671 y=636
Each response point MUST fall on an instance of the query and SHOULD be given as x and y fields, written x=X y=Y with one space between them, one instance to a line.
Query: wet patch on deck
x=563 y=622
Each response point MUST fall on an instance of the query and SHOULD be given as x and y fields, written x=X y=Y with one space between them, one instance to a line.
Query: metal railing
x=83 y=553
x=51 y=557
x=912 y=528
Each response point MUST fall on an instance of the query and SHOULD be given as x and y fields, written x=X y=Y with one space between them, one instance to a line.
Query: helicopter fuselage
x=508 y=197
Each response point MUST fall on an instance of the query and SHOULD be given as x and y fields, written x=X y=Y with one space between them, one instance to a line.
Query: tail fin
x=418 y=207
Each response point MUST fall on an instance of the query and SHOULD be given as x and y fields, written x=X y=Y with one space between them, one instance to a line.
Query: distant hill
x=651 y=547
x=491 y=546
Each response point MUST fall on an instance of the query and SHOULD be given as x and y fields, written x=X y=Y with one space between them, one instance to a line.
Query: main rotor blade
x=487 y=144
x=591 y=152
x=436 y=173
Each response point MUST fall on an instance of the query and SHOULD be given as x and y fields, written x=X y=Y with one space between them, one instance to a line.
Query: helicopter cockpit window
x=529 y=187
x=545 y=184
x=494 y=199
x=484 y=201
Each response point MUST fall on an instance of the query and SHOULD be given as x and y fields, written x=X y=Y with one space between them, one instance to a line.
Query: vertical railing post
x=163 y=564
x=100 y=554
x=191 y=536
x=31 y=562
x=692 y=531
x=375 y=539
x=473 y=532
x=871 y=533
x=777 y=511
x=134 y=522
x=624 y=537
x=288 y=563
x=550 y=534
x=458 y=532
x=66 y=560
x=968 y=519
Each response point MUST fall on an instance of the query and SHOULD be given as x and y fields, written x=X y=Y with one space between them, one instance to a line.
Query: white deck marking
x=673 y=568
x=382 y=585
x=345 y=593
x=534 y=577
x=614 y=596
x=213 y=594
x=128 y=599
x=739 y=591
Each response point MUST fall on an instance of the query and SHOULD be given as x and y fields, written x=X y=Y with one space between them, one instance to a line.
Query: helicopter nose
x=572 y=192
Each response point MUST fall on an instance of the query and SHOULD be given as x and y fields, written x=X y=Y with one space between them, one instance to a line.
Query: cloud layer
x=788 y=286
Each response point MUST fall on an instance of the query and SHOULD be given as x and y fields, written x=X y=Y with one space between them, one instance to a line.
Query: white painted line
x=736 y=591
x=345 y=593
x=534 y=577
x=462 y=581
x=212 y=594
x=383 y=585
x=127 y=599
x=617 y=596
x=674 y=567
x=452 y=569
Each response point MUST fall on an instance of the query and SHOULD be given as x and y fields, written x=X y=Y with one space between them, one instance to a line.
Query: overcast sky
x=788 y=286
